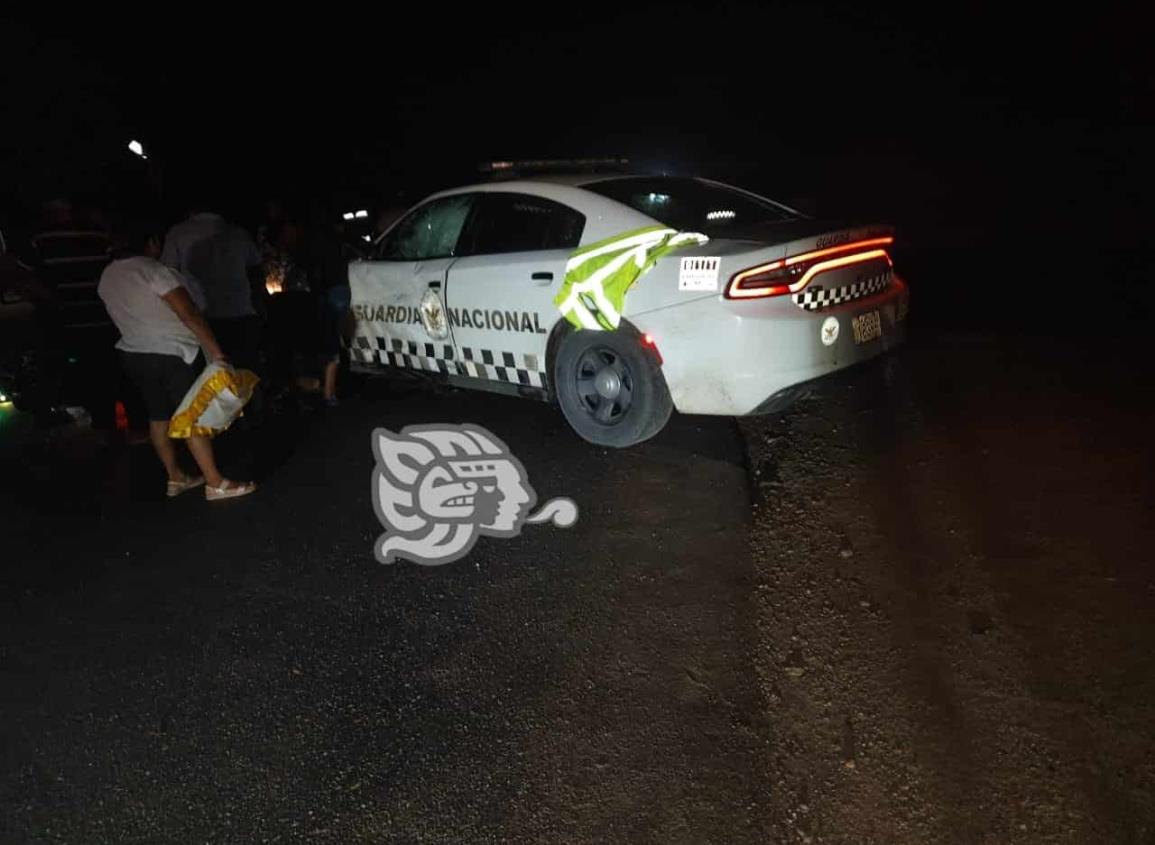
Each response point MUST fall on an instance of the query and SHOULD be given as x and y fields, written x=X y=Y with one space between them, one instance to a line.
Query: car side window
x=429 y=231
x=506 y=222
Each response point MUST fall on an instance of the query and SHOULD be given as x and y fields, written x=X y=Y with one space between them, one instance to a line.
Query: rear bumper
x=750 y=357
x=787 y=396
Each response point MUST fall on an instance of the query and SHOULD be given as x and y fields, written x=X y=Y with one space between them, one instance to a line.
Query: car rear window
x=690 y=205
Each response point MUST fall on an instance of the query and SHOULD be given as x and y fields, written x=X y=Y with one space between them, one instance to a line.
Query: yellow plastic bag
x=213 y=402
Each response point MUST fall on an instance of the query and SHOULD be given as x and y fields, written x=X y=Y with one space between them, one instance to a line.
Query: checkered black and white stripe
x=815 y=298
x=511 y=367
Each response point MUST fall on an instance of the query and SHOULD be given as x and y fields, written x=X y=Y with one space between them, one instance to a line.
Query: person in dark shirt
x=68 y=254
x=330 y=254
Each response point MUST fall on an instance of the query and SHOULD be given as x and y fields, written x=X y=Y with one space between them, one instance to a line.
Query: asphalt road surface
x=246 y=672
x=915 y=608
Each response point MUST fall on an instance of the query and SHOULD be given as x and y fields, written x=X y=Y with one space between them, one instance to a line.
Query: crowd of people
x=127 y=313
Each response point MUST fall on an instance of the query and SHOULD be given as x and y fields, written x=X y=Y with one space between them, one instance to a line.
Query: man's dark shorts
x=163 y=380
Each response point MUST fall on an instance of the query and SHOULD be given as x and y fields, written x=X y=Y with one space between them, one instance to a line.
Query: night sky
x=959 y=121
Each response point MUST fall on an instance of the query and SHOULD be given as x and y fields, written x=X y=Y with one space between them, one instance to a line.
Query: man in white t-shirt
x=162 y=334
x=224 y=262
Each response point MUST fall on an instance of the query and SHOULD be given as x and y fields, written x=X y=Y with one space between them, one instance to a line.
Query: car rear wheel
x=610 y=388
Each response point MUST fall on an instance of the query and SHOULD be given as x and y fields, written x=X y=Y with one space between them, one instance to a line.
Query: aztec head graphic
x=437 y=488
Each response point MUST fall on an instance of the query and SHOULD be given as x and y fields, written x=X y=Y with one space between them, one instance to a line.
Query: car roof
x=604 y=216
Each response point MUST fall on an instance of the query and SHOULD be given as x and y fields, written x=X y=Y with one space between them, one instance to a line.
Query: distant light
x=367 y=237
x=361 y=213
x=136 y=148
x=4 y=400
x=660 y=199
x=721 y=215
x=348 y=215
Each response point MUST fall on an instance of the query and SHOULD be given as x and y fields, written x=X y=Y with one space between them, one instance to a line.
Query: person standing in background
x=329 y=257
x=68 y=255
x=269 y=228
x=268 y=236
x=291 y=308
x=222 y=259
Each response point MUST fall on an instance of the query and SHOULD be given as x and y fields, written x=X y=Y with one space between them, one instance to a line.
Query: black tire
x=589 y=366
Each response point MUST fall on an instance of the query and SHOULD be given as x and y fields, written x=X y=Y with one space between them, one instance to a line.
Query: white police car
x=469 y=285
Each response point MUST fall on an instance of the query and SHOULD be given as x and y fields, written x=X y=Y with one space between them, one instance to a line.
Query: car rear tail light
x=792 y=274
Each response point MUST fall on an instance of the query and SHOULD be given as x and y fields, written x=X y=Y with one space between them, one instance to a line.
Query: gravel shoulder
x=955 y=599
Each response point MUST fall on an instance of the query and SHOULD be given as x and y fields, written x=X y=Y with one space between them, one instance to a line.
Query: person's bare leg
x=162 y=444
x=202 y=452
x=330 y=389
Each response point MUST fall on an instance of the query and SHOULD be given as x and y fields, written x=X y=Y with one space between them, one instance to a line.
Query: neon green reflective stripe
x=598 y=276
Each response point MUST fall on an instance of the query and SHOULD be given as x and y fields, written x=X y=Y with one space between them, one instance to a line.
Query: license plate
x=866 y=327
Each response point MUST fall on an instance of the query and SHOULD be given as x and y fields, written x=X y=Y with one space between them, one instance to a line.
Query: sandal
x=229 y=490
x=175 y=488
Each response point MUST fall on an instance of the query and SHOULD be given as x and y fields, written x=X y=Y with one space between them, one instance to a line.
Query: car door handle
x=542 y=278
x=435 y=284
